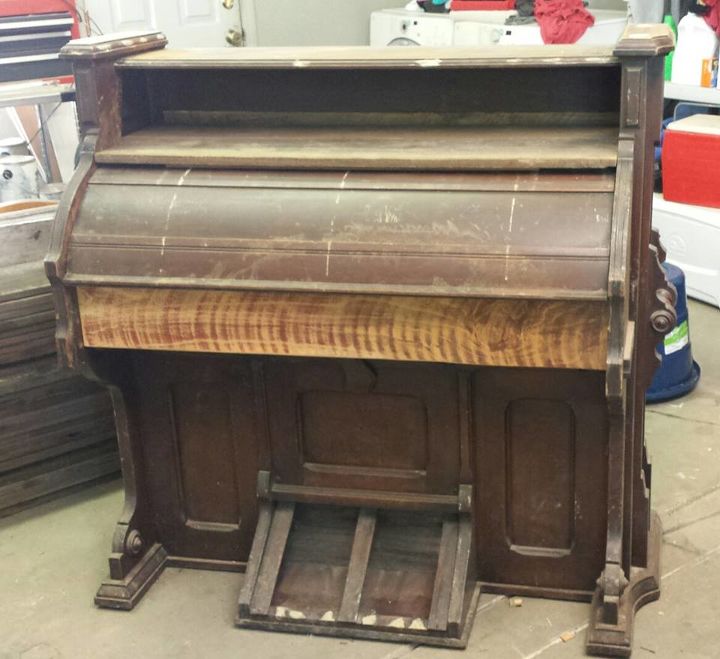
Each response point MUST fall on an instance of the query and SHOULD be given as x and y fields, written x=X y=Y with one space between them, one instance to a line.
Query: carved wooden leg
x=613 y=579
x=615 y=640
x=622 y=588
x=125 y=593
x=136 y=561
x=631 y=576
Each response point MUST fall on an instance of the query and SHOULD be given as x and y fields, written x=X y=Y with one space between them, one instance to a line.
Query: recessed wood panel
x=540 y=446
x=491 y=332
x=365 y=425
x=541 y=474
x=361 y=430
x=204 y=437
x=198 y=428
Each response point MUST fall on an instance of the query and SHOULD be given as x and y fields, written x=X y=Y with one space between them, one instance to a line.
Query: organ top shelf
x=471 y=148
x=334 y=56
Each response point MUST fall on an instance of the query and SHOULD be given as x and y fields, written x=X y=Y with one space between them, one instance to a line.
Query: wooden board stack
x=56 y=428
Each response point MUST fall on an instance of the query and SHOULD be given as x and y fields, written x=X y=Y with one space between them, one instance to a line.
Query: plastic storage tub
x=691 y=236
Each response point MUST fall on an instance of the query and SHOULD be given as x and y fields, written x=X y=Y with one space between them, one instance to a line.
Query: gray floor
x=53 y=557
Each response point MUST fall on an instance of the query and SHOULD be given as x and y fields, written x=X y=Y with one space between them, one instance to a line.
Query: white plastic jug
x=18 y=178
x=696 y=42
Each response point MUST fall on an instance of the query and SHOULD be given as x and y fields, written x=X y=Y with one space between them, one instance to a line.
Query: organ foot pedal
x=362 y=564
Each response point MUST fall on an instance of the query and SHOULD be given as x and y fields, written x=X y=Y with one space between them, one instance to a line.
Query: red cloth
x=712 y=18
x=562 y=21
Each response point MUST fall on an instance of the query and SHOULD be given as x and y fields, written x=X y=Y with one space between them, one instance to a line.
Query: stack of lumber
x=56 y=428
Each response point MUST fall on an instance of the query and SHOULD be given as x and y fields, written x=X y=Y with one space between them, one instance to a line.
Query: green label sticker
x=677 y=339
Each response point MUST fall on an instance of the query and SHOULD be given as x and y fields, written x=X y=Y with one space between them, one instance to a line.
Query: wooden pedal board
x=396 y=572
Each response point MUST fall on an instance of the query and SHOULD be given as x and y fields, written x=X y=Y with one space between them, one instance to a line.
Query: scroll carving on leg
x=136 y=560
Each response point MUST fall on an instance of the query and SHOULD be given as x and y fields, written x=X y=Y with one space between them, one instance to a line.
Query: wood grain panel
x=493 y=332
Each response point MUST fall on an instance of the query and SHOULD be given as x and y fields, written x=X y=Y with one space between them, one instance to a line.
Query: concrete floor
x=53 y=557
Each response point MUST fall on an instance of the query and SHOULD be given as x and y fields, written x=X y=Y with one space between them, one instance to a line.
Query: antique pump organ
x=377 y=324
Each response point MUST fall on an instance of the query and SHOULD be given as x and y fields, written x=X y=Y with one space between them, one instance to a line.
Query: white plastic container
x=691 y=237
x=18 y=178
x=14 y=146
x=696 y=42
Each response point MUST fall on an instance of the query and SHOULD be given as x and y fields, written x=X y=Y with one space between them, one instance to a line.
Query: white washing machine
x=401 y=27
x=608 y=28
x=482 y=31
x=407 y=27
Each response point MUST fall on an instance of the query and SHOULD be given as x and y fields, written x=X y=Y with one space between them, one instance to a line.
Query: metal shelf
x=692 y=94
x=35 y=94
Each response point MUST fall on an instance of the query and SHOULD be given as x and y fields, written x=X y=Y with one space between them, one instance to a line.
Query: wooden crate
x=56 y=428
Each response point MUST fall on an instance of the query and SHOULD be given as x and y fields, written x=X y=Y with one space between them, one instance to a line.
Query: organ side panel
x=199 y=439
x=540 y=515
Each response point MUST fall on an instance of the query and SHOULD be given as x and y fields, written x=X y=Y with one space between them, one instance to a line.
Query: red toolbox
x=34 y=7
x=32 y=32
x=691 y=161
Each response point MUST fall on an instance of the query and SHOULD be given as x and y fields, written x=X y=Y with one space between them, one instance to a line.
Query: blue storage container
x=679 y=373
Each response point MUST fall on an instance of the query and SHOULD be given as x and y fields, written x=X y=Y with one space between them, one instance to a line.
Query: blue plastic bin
x=679 y=373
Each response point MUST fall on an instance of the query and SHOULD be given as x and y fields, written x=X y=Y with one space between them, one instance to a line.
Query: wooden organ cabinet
x=377 y=324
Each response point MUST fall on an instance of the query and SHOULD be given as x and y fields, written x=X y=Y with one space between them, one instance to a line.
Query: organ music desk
x=377 y=324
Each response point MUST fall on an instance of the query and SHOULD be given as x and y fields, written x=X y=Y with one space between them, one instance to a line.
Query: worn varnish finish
x=476 y=234
x=368 y=148
x=377 y=325
x=454 y=331
x=376 y=58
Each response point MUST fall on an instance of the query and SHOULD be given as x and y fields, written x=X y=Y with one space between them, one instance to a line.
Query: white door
x=186 y=23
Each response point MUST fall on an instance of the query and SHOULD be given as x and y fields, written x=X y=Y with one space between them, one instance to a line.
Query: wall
x=647 y=11
x=616 y=5
x=643 y=11
x=310 y=22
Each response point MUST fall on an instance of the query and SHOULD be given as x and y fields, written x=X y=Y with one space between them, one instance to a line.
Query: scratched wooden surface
x=365 y=57
x=490 y=148
x=494 y=332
